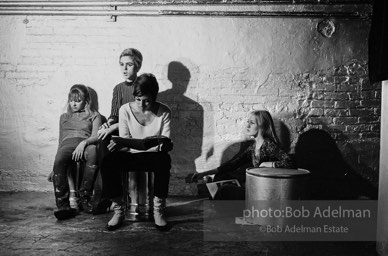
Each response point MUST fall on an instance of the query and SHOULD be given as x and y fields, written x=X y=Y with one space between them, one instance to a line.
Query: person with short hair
x=145 y=118
x=130 y=62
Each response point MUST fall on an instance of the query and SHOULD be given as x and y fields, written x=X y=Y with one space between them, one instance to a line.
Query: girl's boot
x=87 y=186
x=61 y=188
x=159 y=213
x=118 y=216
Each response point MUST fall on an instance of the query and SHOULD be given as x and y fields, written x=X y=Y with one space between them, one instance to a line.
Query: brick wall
x=212 y=72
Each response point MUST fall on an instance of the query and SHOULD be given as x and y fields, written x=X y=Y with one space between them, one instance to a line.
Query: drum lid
x=277 y=172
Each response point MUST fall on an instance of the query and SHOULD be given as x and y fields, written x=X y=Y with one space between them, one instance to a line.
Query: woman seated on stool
x=264 y=151
x=77 y=142
x=140 y=119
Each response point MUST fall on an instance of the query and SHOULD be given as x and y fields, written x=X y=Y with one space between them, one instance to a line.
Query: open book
x=148 y=142
x=213 y=186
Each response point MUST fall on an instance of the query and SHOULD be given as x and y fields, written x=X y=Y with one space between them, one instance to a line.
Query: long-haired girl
x=264 y=151
x=77 y=142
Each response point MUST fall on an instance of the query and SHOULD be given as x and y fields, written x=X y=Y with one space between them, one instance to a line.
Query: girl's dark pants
x=231 y=192
x=117 y=162
x=63 y=161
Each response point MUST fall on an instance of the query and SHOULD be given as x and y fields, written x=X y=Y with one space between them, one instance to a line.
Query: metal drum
x=138 y=195
x=271 y=188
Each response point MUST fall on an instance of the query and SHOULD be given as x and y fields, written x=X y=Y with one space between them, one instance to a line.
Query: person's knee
x=61 y=163
x=61 y=159
x=91 y=154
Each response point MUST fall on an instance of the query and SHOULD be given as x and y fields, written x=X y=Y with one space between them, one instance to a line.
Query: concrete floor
x=28 y=227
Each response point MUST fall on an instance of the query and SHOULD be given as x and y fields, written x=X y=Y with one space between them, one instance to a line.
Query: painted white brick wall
x=233 y=65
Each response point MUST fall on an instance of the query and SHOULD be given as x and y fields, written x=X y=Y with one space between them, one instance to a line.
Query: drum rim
x=282 y=176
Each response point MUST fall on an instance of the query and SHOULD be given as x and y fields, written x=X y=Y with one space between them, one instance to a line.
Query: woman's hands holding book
x=153 y=141
x=167 y=146
x=116 y=143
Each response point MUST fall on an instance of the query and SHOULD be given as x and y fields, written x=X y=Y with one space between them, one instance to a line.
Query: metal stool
x=138 y=195
x=271 y=188
x=78 y=179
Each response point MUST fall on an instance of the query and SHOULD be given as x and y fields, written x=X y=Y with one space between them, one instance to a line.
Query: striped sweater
x=122 y=93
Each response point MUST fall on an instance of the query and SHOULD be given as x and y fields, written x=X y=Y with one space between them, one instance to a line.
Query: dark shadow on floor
x=331 y=177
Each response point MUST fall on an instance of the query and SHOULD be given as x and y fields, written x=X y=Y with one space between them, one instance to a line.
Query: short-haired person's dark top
x=122 y=94
x=269 y=152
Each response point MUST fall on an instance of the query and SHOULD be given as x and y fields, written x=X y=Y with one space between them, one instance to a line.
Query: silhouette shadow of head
x=179 y=75
x=93 y=99
x=102 y=150
x=331 y=177
x=283 y=134
x=94 y=102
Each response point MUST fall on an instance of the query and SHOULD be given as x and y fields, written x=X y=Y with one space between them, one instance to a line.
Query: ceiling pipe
x=348 y=15
x=184 y=13
x=58 y=7
x=62 y=4
x=81 y=12
x=176 y=2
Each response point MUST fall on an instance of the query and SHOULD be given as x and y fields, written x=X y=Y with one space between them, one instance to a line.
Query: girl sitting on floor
x=264 y=151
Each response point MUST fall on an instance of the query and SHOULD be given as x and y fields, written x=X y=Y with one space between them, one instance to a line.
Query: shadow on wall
x=94 y=99
x=233 y=149
x=94 y=102
x=283 y=134
x=187 y=118
x=331 y=177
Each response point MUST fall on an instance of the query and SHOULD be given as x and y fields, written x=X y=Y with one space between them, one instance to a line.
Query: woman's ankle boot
x=85 y=203
x=118 y=217
x=87 y=185
x=159 y=213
